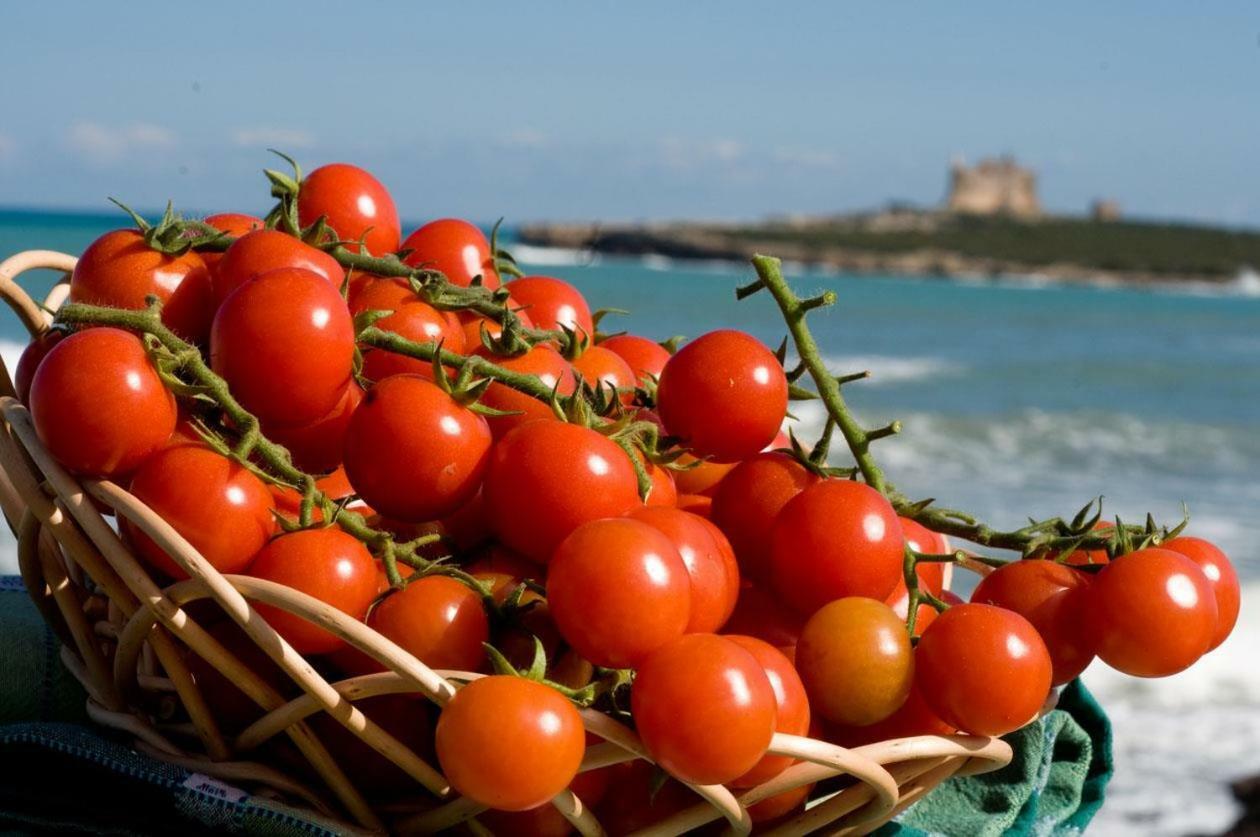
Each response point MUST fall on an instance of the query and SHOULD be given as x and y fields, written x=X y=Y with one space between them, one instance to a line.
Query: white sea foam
x=10 y=351
x=890 y=369
x=554 y=256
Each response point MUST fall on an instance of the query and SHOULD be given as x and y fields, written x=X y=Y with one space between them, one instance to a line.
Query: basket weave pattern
x=128 y=639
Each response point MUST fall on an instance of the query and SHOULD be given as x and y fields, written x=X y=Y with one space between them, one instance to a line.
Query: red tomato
x=120 y=270
x=419 y=323
x=354 y=204
x=546 y=478
x=1088 y=556
x=702 y=478
x=369 y=292
x=1220 y=574
x=469 y=526
x=914 y=717
x=546 y=821
x=473 y=325
x=645 y=358
x=663 y=492
x=325 y=563
x=285 y=344
x=780 y=805
x=234 y=224
x=900 y=603
x=724 y=394
x=602 y=368
x=316 y=447
x=498 y=559
x=547 y=365
x=413 y=452
x=263 y=251
x=983 y=669
x=98 y=404
x=438 y=620
x=760 y=614
x=509 y=743
x=931 y=574
x=552 y=303
x=704 y=709
x=637 y=799
x=32 y=356
x=455 y=248
x=855 y=660
x=713 y=572
x=791 y=705
x=288 y=501
x=698 y=504
x=1153 y=613
x=749 y=498
x=835 y=539
x=219 y=507
x=1054 y=598
x=618 y=590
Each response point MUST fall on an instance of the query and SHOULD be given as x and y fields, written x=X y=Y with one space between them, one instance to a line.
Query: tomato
x=712 y=569
x=285 y=344
x=32 y=356
x=703 y=477
x=369 y=292
x=1087 y=556
x=1220 y=574
x=234 y=224
x=931 y=574
x=98 y=404
x=473 y=325
x=316 y=447
x=780 y=805
x=855 y=660
x=645 y=358
x=552 y=303
x=835 y=539
x=1054 y=598
x=698 y=504
x=354 y=204
x=914 y=717
x=704 y=709
x=498 y=559
x=406 y=718
x=419 y=323
x=724 y=394
x=547 y=365
x=233 y=709
x=469 y=526
x=288 y=501
x=413 y=452
x=219 y=507
x=749 y=498
x=263 y=251
x=1153 y=613
x=791 y=705
x=663 y=491
x=438 y=620
x=590 y=786
x=758 y=613
x=456 y=248
x=618 y=590
x=328 y=564
x=602 y=368
x=121 y=270
x=509 y=743
x=546 y=478
x=637 y=798
x=899 y=601
x=983 y=669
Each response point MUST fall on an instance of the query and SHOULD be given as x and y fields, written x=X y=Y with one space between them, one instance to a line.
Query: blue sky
x=616 y=111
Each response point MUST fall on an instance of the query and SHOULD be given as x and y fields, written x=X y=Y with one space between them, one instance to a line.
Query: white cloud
x=106 y=142
x=524 y=138
x=808 y=158
x=687 y=154
x=280 y=138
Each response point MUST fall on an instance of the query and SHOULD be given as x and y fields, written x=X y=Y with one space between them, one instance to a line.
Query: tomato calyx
x=610 y=684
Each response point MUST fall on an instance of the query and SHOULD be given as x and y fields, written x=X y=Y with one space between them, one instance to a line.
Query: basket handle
x=35 y=317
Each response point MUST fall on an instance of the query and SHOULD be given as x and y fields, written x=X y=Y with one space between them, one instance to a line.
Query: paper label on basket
x=213 y=787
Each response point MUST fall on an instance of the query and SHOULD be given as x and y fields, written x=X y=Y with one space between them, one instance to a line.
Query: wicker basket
x=129 y=641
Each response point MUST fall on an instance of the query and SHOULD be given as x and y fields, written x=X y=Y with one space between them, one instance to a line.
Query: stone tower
x=994 y=186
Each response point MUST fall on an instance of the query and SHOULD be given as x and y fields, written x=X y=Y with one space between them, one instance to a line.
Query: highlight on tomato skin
x=1220 y=574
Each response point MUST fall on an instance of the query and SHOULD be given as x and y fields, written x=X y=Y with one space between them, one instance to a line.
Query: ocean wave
x=891 y=369
x=11 y=351
x=529 y=254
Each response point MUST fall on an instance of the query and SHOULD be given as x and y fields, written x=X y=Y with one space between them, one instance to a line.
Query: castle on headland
x=994 y=186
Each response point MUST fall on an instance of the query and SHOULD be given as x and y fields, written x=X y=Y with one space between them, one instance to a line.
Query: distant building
x=1105 y=209
x=994 y=186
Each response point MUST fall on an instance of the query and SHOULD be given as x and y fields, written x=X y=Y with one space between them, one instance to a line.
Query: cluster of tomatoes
x=750 y=591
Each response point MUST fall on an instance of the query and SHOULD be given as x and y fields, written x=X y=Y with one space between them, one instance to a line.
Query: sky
x=595 y=110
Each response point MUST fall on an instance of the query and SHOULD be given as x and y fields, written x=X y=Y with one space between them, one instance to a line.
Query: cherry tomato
x=698 y=504
x=546 y=478
x=552 y=303
x=724 y=394
x=328 y=564
x=285 y=344
x=931 y=574
x=316 y=447
x=32 y=356
x=749 y=498
x=120 y=270
x=618 y=590
x=546 y=821
x=1054 y=598
x=354 y=204
x=369 y=292
x=438 y=620
x=791 y=705
x=900 y=603
x=704 y=709
x=219 y=507
x=914 y=717
x=983 y=669
x=234 y=224
x=263 y=251
x=602 y=368
x=413 y=452
x=1087 y=556
x=98 y=404
x=455 y=248
x=419 y=323
x=288 y=501
x=780 y=806
x=509 y=743
x=637 y=798
x=645 y=358
x=835 y=539
x=712 y=569
x=1220 y=574
x=1153 y=613
x=758 y=613
x=703 y=477
x=498 y=559
x=474 y=324
x=663 y=492
x=469 y=526
x=855 y=660
x=541 y=361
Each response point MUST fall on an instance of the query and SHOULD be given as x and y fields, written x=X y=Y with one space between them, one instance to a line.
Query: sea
x=1017 y=397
